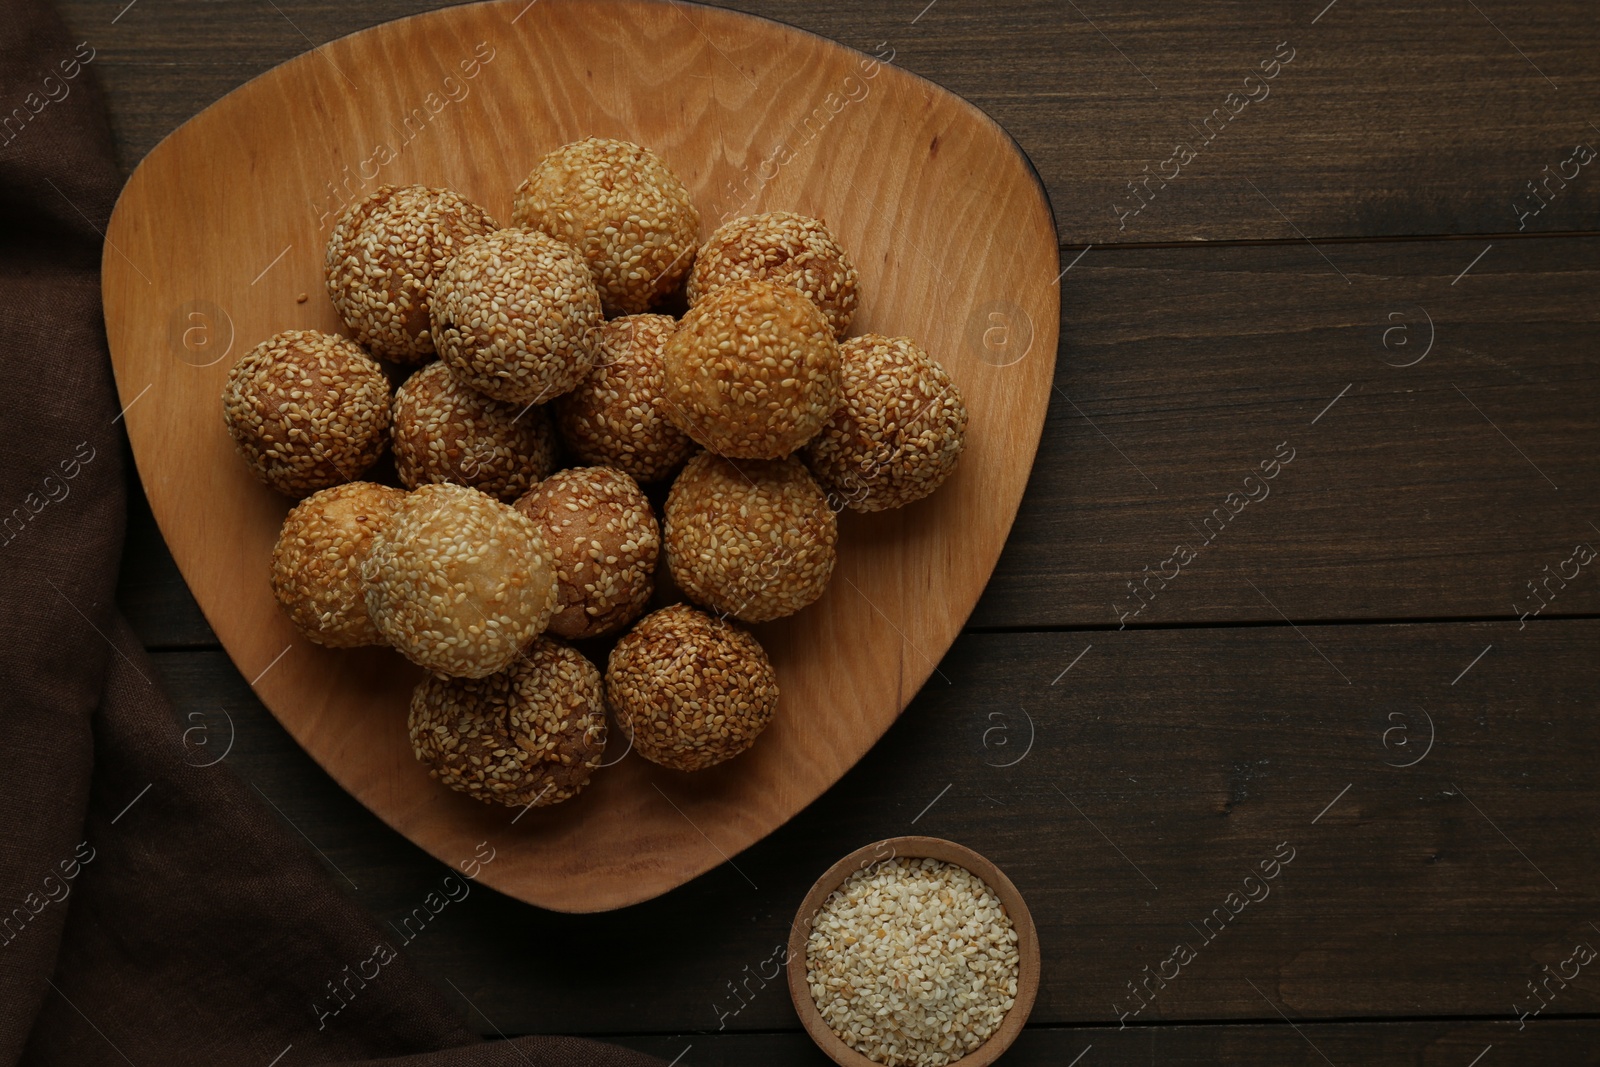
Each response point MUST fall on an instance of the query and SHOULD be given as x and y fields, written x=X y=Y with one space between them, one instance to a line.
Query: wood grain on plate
x=222 y=227
x=1186 y=756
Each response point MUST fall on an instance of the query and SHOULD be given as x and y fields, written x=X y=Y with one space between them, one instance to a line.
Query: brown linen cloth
x=151 y=912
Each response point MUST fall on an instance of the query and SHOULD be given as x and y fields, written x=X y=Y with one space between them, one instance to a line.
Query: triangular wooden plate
x=221 y=229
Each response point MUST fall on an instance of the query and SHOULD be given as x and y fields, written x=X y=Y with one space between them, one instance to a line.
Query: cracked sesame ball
x=527 y=736
x=617 y=416
x=603 y=539
x=458 y=581
x=899 y=432
x=691 y=690
x=627 y=214
x=753 y=539
x=316 y=564
x=512 y=313
x=383 y=257
x=307 y=410
x=447 y=432
x=752 y=370
x=780 y=246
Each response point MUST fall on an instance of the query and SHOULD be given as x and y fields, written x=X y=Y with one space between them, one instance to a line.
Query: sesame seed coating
x=447 y=432
x=692 y=690
x=780 y=246
x=753 y=539
x=617 y=416
x=604 y=541
x=307 y=410
x=621 y=207
x=527 y=736
x=752 y=370
x=512 y=313
x=383 y=257
x=899 y=432
x=316 y=564
x=458 y=581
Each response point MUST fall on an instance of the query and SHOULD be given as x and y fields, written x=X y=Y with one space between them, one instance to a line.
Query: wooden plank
x=150 y=590
x=1408 y=118
x=1421 y=492
x=1428 y=490
x=1179 y=759
x=1368 y=1044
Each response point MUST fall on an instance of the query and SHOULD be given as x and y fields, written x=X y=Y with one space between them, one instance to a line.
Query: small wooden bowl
x=915 y=848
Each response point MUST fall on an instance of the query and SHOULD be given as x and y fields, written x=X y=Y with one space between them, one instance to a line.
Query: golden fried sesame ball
x=512 y=313
x=527 y=736
x=316 y=564
x=780 y=246
x=383 y=257
x=604 y=540
x=618 y=205
x=458 y=581
x=691 y=690
x=307 y=410
x=446 y=432
x=754 y=539
x=899 y=432
x=752 y=370
x=617 y=417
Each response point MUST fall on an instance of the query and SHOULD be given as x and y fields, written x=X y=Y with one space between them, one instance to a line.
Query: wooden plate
x=915 y=848
x=218 y=238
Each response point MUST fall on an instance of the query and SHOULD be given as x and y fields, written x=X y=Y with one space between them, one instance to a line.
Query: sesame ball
x=603 y=539
x=307 y=410
x=512 y=314
x=527 y=736
x=780 y=246
x=753 y=539
x=458 y=581
x=618 y=205
x=383 y=257
x=691 y=690
x=899 y=432
x=447 y=432
x=752 y=370
x=316 y=564
x=616 y=417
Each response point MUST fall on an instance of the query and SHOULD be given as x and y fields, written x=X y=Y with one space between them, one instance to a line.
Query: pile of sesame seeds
x=913 y=962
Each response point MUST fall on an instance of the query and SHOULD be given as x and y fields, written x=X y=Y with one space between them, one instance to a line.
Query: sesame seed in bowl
x=913 y=952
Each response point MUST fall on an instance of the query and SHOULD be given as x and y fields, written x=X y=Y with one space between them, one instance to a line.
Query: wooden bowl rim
x=916 y=847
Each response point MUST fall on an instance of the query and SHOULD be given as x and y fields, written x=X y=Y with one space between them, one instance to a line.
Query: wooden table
x=1373 y=276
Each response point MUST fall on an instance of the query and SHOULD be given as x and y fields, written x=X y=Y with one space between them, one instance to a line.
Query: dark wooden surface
x=1309 y=252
